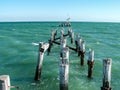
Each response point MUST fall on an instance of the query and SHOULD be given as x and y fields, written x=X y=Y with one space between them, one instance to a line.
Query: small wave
x=33 y=84
x=58 y=78
x=13 y=29
x=2 y=36
x=97 y=42
x=35 y=44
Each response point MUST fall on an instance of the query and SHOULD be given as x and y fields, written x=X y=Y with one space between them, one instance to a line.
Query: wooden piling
x=71 y=35
x=69 y=32
x=79 y=46
x=4 y=82
x=52 y=36
x=62 y=31
x=42 y=49
x=50 y=41
x=74 y=49
x=90 y=63
x=106 y=74
x=82 y=52
x=61 y=34
x=50 y=46
x=76 y=43
x=54 y=33
x=62 y=45
x=64 y=69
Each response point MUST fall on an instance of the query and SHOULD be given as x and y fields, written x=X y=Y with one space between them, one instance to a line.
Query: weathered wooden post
x=90 y=63
x=69 y=31
x=42 y=49
x=62 y=31
x=71 y=35
x=62 y=45
x=79 y=45
x=106 y=74
x=50 y=45
x=54 y=33
x=61 y=36
x=64 y=69
x=76 y=43
x=50 y=41
x=82 y=52
x=4 y=82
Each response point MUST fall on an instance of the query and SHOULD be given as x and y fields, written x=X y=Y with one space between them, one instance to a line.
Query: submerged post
x=64 y=69
x=42 y=49
x=90 y=63
x=82 y=52
x=106 y=74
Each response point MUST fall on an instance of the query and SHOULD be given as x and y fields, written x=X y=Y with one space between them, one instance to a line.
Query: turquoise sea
x=19 y=54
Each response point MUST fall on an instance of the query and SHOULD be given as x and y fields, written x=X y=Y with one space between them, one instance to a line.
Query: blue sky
x=58 y=10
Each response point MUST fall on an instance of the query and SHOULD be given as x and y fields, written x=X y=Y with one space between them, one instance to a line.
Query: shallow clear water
x=18 y=55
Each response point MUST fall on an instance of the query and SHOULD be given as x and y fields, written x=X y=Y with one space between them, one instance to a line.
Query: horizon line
x=61 y=21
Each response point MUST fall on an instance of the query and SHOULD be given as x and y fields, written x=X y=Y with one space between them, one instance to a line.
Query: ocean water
x=19 y=54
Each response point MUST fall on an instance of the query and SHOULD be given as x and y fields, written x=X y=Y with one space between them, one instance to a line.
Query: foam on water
x=35 y=44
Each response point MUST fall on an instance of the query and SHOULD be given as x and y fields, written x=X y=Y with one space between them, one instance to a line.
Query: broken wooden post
x=64 y=69
x=50 y=45
x=50 y=41
x=74 y=49
x=71 y=35
x=79 y=45
x=76 y=42
x=82 y=52
x=61 y=36
x=106 y=74
x=69 y=31
x=54 y=33
x=42 y=49
x=62 y=31
x=52 y=36
x=90 y=63
x=4 y=82
x=62 y=45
